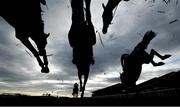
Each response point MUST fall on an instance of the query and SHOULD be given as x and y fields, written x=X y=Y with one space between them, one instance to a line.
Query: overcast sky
x=21 y=73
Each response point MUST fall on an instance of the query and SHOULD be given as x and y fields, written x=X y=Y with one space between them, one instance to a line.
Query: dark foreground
x=91 y=101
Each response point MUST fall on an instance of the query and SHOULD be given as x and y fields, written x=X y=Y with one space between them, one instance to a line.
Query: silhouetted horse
x=132 y=63
x=25 y=17
x=82 y=38
x=108 y=13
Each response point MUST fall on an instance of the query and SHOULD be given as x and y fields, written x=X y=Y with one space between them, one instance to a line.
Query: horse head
x=107 y=18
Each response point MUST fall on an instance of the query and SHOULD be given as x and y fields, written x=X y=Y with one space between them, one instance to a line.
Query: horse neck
x=78 y=16
x=77 y=19
x=78 y=13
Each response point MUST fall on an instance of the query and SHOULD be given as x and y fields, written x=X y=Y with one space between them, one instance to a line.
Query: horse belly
x=83 y=55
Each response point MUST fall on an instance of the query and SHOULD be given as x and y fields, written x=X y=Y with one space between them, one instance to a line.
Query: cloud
x=10 y=76
x=21 y=72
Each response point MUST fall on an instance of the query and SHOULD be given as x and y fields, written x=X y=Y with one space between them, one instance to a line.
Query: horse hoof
x=81 y=88
x=160 y=63
x=45 y=70
x=82 y=95
x=166 y=56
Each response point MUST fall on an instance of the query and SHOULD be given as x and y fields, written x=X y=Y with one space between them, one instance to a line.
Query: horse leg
x=80 y=80
x=27 y=43
x=45 y=68
x=153 y=52
x=84 y=85
x=85 y=80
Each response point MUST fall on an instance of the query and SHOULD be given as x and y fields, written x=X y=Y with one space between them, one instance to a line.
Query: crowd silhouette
x=81 y=36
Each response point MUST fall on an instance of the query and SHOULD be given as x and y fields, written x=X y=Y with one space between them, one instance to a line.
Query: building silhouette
x=167 y=85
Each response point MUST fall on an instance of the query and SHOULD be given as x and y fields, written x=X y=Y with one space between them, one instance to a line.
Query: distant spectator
x=75 y=90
